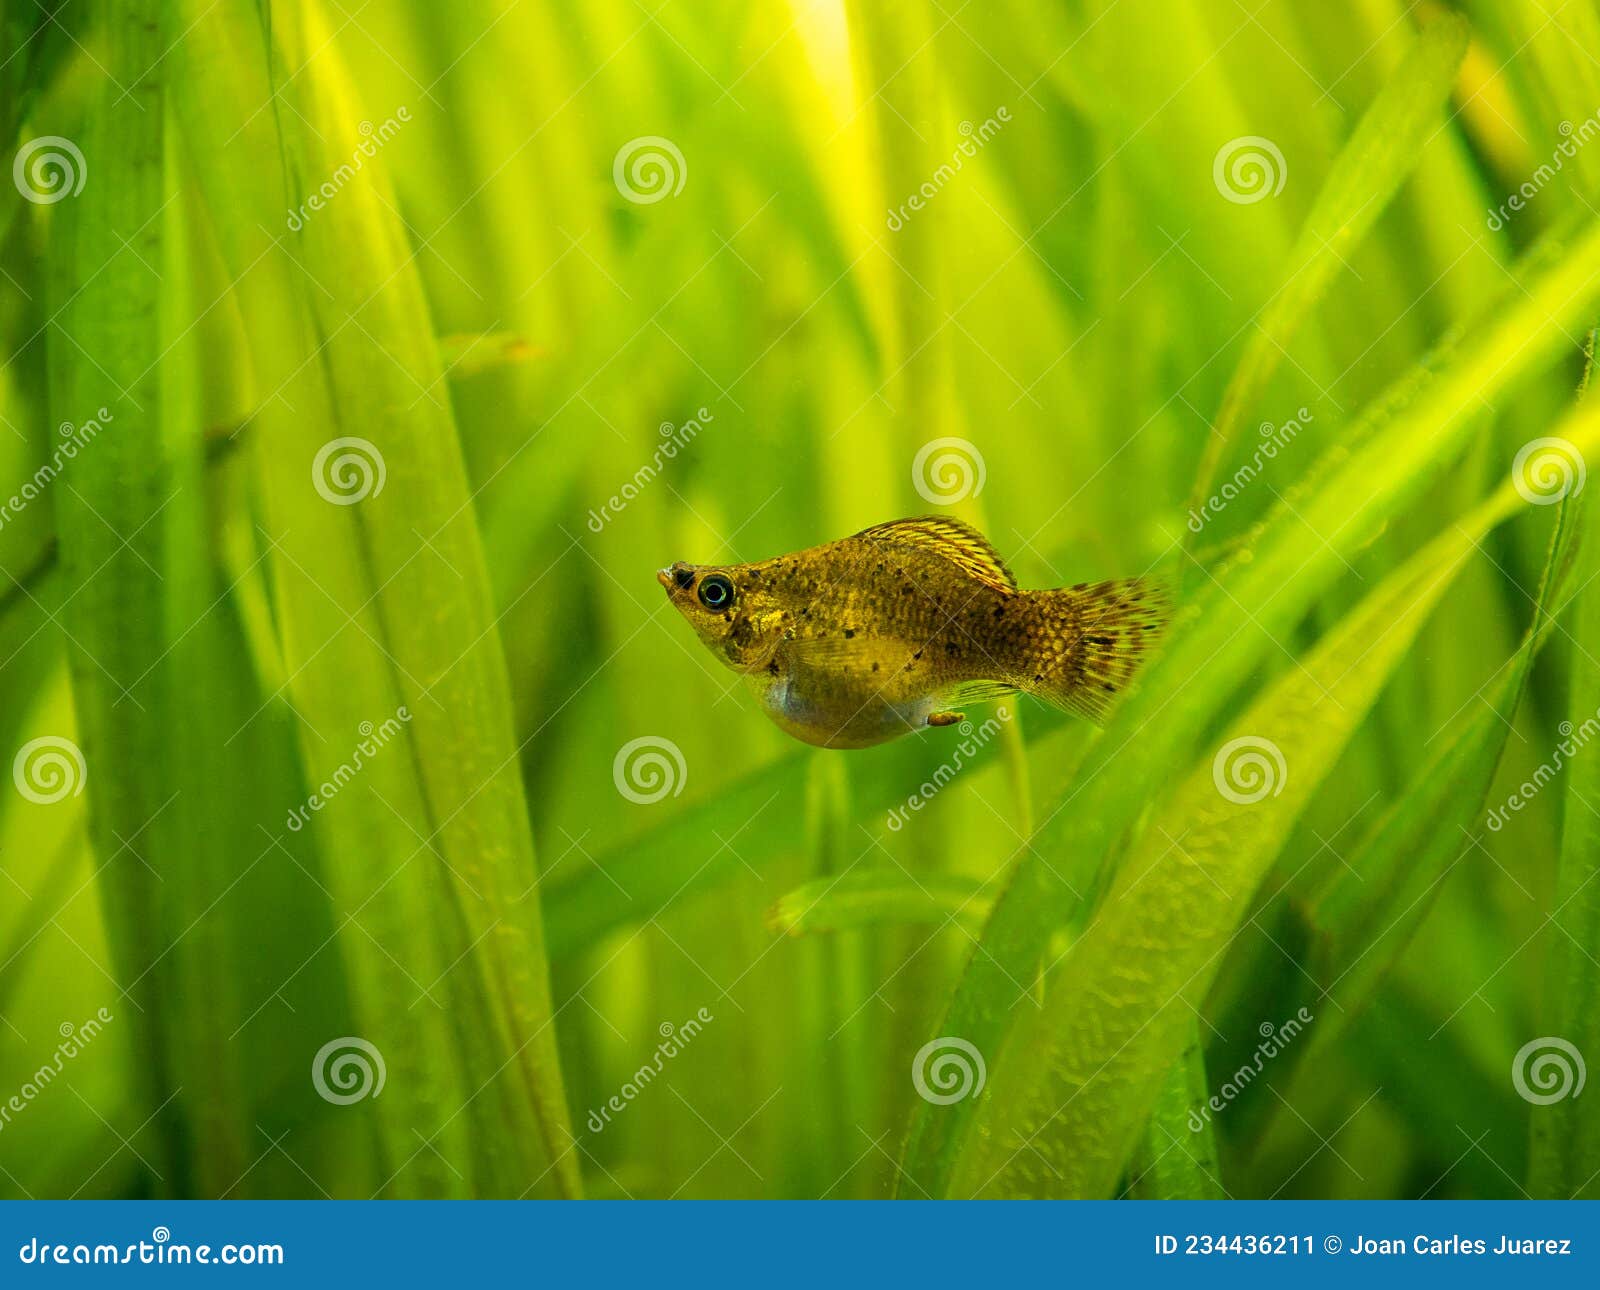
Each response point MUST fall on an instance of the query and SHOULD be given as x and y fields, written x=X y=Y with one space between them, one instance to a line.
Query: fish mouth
x=676 y=577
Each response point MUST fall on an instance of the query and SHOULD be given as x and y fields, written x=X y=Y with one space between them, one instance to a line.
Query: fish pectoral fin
x=981 y=692
x=945 y=718
x=854 y=651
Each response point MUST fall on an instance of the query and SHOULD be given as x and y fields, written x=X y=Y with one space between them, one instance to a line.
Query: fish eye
x=716 y=591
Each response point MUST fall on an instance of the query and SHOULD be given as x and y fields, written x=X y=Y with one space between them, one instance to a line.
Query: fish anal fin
x=959 y=543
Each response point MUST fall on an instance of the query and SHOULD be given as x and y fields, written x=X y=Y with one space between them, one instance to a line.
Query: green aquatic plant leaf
x=1564 y=1135
x=1385 y=147
x=1177 y=1155
x=1233 y=623
x=1061 y=1115
x=383 y=610
x=1365 y=912
x=877 y=896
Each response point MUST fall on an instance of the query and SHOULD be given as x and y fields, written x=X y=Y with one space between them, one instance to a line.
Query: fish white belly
x=832 y=716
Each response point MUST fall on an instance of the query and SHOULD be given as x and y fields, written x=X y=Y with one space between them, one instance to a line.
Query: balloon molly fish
x=861 y=640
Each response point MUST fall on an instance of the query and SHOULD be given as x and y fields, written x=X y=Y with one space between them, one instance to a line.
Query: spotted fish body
x=861 y=640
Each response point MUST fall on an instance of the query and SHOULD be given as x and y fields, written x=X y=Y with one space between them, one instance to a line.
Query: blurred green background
x=365 y=360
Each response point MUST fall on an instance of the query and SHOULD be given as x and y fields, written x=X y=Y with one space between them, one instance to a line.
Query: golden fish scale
x=926 y=624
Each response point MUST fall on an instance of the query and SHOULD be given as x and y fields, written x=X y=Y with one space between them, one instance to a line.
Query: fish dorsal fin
x=959 y=543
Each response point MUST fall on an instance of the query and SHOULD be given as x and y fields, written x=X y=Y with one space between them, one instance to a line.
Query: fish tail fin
x=1089 y=640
